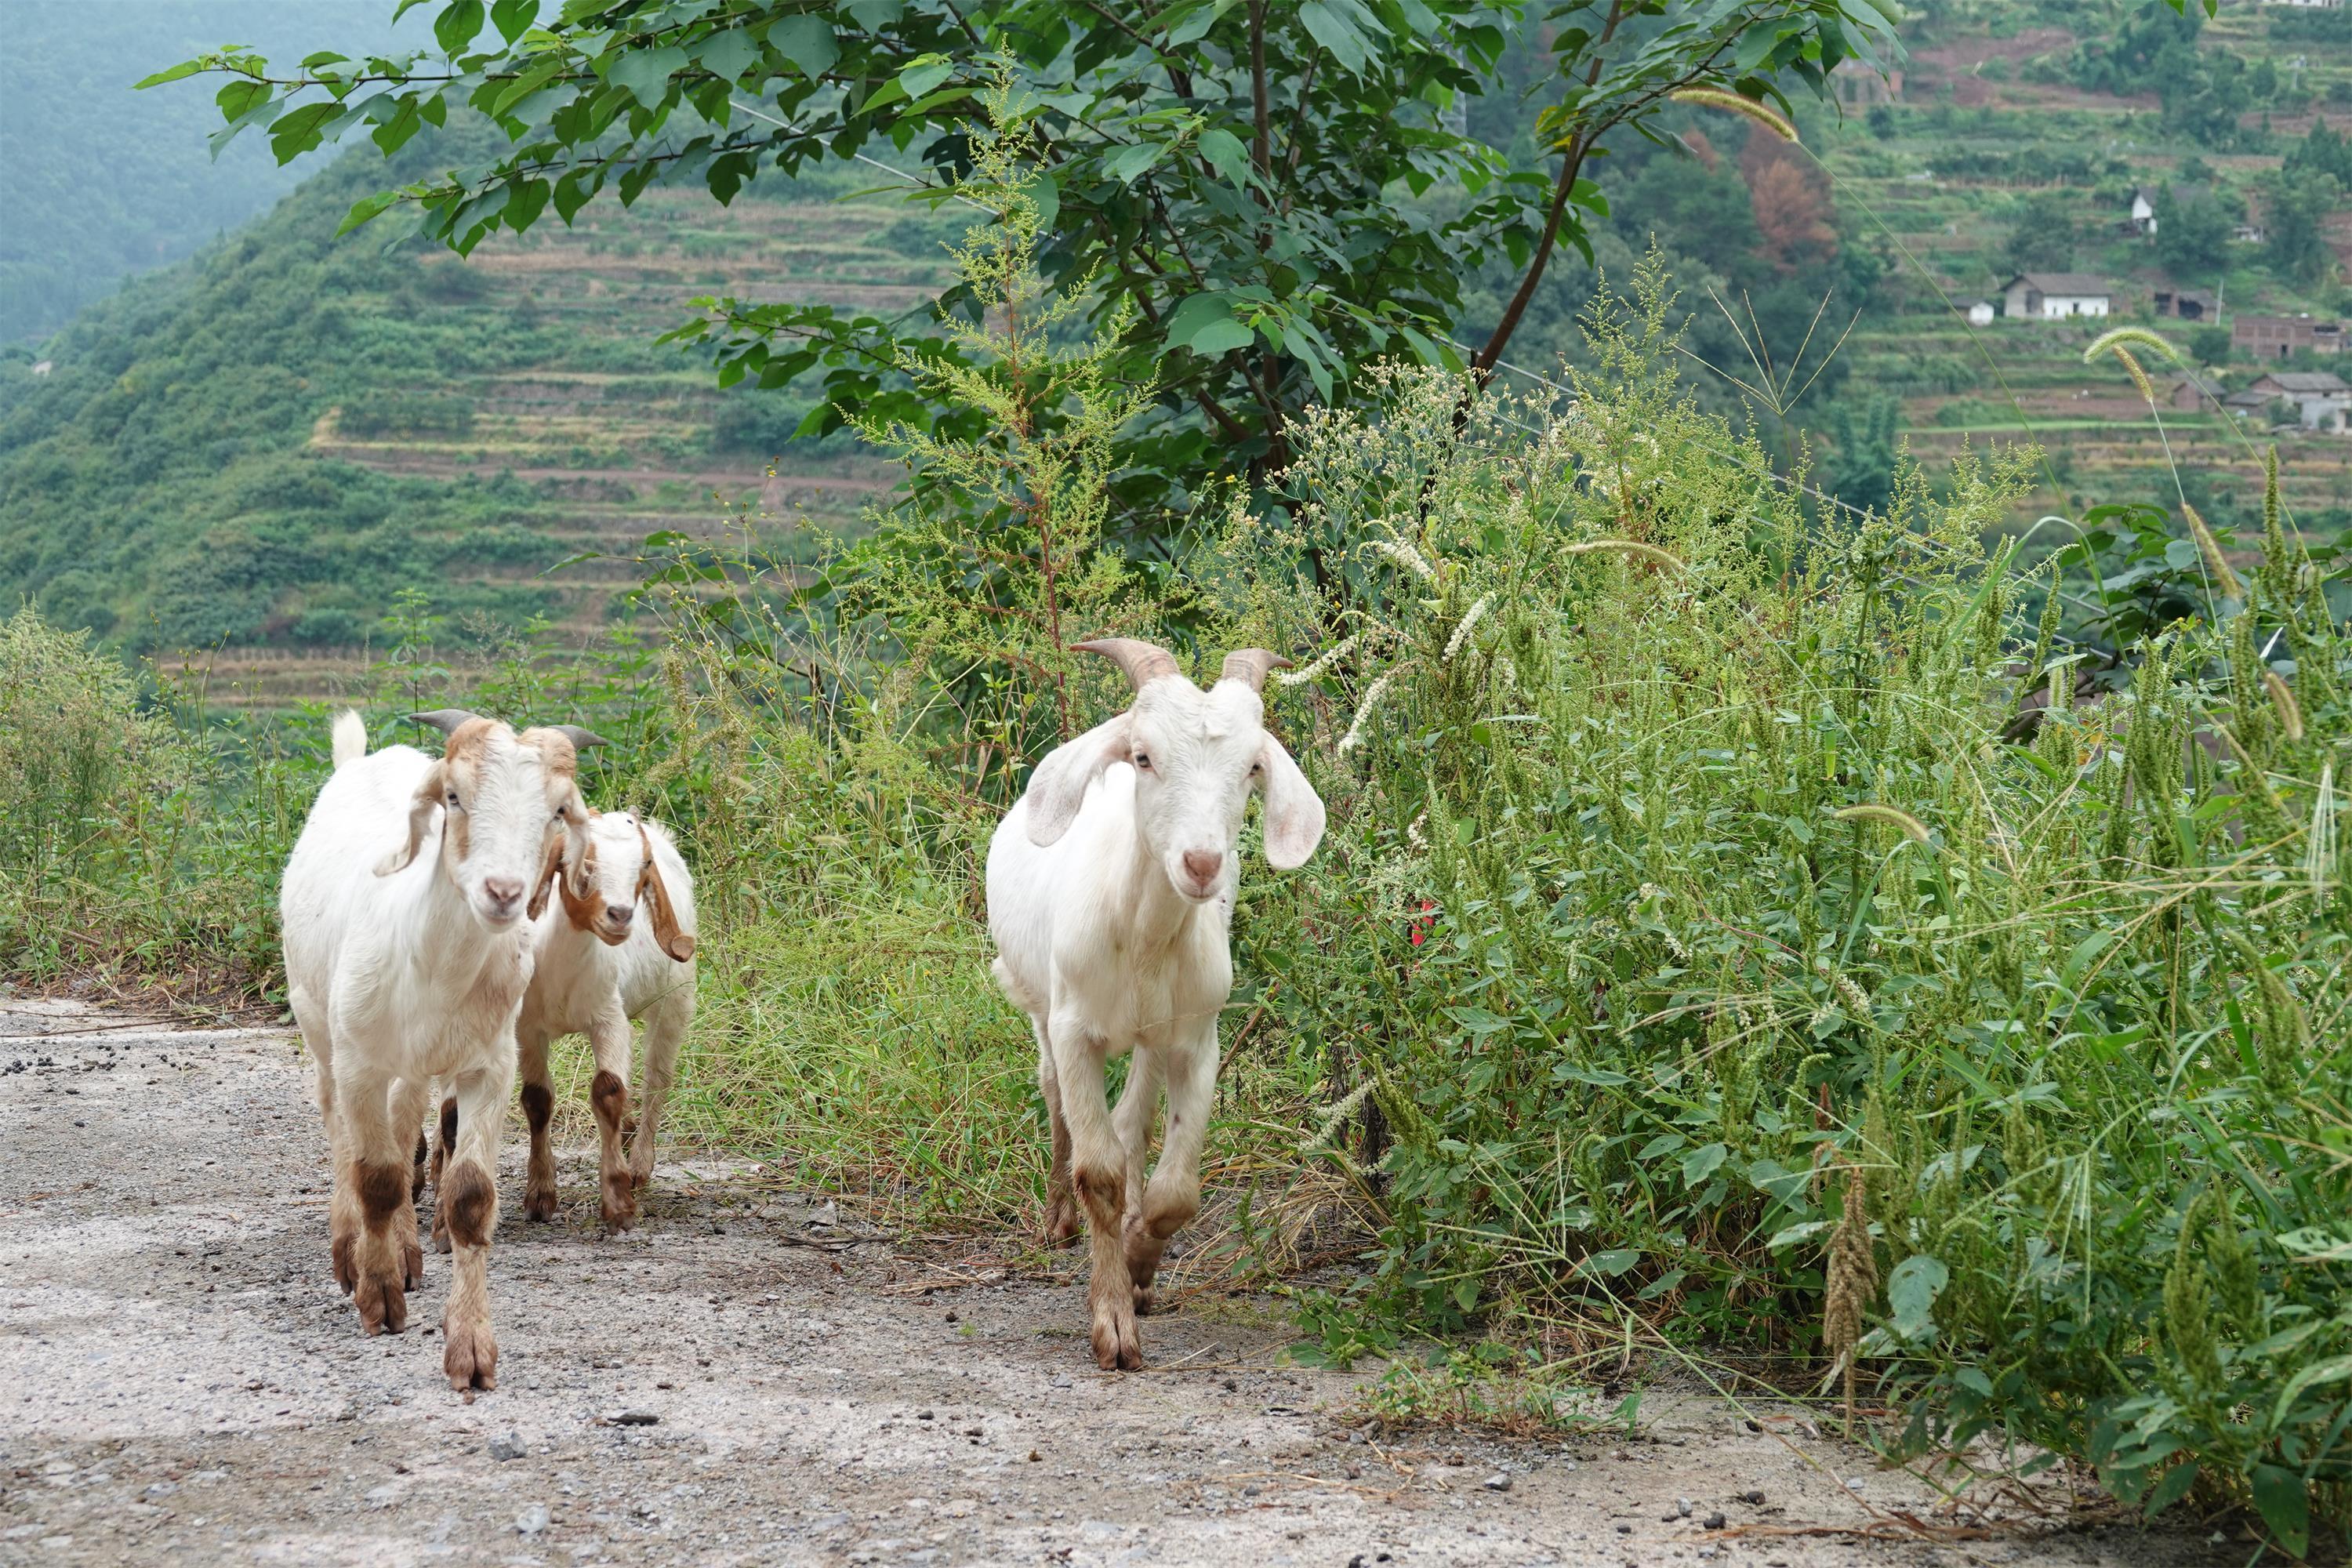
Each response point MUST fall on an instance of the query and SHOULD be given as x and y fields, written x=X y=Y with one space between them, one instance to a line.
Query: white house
x=2143 y=211
x=2321 y=397
x=1980 y=312
x=2054 y=296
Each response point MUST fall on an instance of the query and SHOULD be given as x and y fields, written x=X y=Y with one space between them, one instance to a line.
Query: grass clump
x=1714 y=961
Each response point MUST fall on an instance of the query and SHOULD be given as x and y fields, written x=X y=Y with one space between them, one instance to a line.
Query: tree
x=2044 y=236
x=2210 y=345
x=1791 y=201
x=1240 y=178
x=2296 y=203
x=2193 y=231
x=1861 y=467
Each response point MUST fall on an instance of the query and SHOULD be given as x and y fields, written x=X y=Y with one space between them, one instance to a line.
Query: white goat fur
x=1110 y=890
x=404 y=965
x=604 y=961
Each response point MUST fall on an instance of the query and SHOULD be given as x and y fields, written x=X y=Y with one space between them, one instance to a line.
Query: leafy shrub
x=1712 y=957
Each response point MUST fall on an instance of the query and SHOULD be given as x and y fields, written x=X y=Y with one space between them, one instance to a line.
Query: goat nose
x=618 y=914
x=1202 y=864
x=502 y=891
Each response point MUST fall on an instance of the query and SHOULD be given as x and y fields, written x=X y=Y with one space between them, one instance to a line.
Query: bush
x=1714 y=958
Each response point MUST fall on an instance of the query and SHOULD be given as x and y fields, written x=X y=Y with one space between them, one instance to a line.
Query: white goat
x=598 y=968
x=1110 y=887
x=406 y=960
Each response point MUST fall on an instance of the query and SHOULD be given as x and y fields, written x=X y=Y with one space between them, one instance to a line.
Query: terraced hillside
x=1988 y=160
x=250 y=455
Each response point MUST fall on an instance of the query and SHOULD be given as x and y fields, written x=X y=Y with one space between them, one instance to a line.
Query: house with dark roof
x=2054 y=296
x=2322 y=398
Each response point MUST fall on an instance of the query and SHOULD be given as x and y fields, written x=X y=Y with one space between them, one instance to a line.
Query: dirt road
x=748 y=1378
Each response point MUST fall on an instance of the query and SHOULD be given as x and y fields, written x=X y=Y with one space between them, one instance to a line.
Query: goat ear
x=547 y=875
x=678 y=943
x=1058 y=787
x=1293 y=812
x=578 y=849
x=420 y=818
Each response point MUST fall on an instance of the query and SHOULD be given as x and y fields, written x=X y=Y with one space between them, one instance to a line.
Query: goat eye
x=1143 y=760
x=453 y=798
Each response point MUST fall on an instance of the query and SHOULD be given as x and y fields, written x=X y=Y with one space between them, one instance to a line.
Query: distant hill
x=98 y=182
x=258 y=448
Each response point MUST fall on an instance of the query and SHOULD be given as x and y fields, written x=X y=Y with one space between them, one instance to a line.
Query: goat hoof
x=1143 y=1300
x=620 y=1205
x=470 y=1356
x=383 y=1303
x=413 y=1256
x=1061 y=1221
x=346 y=1275
x=1116 y=1347
x=539 y=1204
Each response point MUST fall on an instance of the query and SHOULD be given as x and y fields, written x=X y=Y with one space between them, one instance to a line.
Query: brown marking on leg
x=441 y=1153
x=1110 y=1294
x=539 y=1201
x=1147 y=1236
x=609 y=1096
x=1060 y=1204
x=380 y=1288
x=417 y=1176
x=470 y=1200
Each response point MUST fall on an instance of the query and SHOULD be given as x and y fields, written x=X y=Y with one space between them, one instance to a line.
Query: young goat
x=1110 y=887
x=406 y=959
x=599 y=967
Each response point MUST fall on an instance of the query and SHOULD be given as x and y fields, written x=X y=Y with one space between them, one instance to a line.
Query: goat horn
x=444 y=720
x=580 y=739
x=1142 y=661
x=1252 y=665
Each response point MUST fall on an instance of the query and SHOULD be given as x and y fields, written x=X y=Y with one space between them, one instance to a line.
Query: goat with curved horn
x=1141 y=660
x=446 y=719
x=580 y=739
x=1252 y=665
x=1110 y=887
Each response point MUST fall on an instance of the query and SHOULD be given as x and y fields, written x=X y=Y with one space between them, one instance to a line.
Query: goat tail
x=350 y=737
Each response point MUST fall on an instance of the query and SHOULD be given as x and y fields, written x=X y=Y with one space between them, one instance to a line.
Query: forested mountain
x=261 y=447
x=98 y=182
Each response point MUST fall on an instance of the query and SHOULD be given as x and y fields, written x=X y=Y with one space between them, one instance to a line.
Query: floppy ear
x=420 y=818
x=1293 y=812
x=678 y=944
x=1058 y=787
x=547 y=875
x=578 y=849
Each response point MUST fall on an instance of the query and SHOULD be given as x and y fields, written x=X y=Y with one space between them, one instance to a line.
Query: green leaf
x=2285 y=1507
x=1613 y=1262
x=169 y=73
x=2171 y=1488
x=513 y=18
x=457 y=24
x=728 y=54
x=808 y=42
x=924 y=73
x=645 y=73
x=1127 y=164
x=1911 y=1292
x=1225 y=154
x=237 y=98
x=1796 y=1233
x=1334 y=33
x=1702 y=1162
x=365 y=210
x=1220 y=337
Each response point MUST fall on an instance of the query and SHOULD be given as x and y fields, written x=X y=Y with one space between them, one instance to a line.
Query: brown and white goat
x=407 y=907
x=599 y=967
